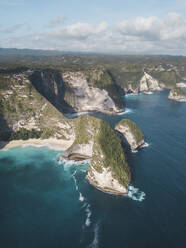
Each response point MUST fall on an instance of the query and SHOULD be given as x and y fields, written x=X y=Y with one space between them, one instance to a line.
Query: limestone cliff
x=84 y=97
x=130 y=134
x=26 y=113
x=177 y=94
x=148 y=83
x=97 y=141
x=79 y=91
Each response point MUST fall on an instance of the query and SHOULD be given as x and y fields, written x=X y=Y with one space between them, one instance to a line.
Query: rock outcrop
x=25 y=113
x=85 y=98
x=148 y=83
x=181 y=85
x=87 y=92
x=97 y=141
x=130 y=134
x=177 y=94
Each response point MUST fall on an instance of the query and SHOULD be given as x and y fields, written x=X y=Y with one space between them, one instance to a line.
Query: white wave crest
x=95 y=242
x=135 y=194
x=134 y=151
x=145 y=145
x=131 y=95
x=148 y=93
x=81 y=197
x=127 y=111
x=88 y=215
x=75 y=181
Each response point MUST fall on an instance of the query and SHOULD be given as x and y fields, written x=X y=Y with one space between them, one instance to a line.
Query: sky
x=101 y=26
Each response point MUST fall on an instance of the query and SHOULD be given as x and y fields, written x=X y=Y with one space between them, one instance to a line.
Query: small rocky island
x=130 y=134
x=177 y=94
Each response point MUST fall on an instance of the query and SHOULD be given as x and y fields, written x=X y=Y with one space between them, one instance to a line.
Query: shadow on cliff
x=49 y=83
x=5 y=132
x=128 y=154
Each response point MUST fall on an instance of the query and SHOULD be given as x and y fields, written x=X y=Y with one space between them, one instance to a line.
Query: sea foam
x=135 y=194
x=127 y=111
x=88 y=214
x=95 y=242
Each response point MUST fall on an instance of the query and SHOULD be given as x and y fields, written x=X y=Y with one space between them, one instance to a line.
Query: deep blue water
x=47 y=204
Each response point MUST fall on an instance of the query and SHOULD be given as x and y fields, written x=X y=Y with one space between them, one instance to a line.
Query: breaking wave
x=88 y=215
x=135 y=194
x=148 y=93
x=145 y=145
x=95 y=242
x=131 y=95
x=127 y=111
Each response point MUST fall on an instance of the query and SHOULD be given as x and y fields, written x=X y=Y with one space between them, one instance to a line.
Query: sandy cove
x=54 y=144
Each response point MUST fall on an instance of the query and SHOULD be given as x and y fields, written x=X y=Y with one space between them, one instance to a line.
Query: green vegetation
x=24 y=134
x=82 y=127
x=113 y=154
x=168 y=78
x=125 y=76
x=135 y=130
x=102 y=79
x=178 y=91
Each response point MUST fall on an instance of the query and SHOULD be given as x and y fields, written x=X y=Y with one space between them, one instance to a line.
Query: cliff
x=148 y=83
x=177 y=94
x=27 y=112
x=92 y=90
x=97 y=141
x=79 y=91
x=130 y=134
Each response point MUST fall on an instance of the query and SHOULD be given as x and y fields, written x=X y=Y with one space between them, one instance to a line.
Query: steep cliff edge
x=25 y=113
x=97 y=141
x=177 y=94
x=130 y=134
x=92 y=90
x=79 y=91
x=148 y=83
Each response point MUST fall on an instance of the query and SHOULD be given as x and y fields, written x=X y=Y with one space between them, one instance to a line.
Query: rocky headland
x=177 y=94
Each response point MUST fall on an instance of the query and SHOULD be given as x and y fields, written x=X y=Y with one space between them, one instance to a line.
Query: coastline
x=105 y=190
x=52 y=143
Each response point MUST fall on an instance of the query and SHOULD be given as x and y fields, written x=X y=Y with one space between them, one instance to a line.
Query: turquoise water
x=48 y=204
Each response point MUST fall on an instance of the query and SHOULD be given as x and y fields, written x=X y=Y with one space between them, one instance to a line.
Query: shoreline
x=105 y=190
x=52 y=143
x=77 y=114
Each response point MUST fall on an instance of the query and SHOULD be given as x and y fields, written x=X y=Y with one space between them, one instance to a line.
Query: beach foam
x=127 y=111
x=135 y=194
x=95 y=242
x=88 y=214
x=145 y=145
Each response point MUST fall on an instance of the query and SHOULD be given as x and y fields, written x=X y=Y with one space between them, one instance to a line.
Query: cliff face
x=96 y=140
x=23 y=109
x=177 y=94
x=139 y=82
x=80 y=91
x=130 y=134
x=85 y=95
x=26 y=113
x=148 y=83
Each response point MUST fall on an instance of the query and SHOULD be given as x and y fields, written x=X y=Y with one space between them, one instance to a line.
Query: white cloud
x=141 y=35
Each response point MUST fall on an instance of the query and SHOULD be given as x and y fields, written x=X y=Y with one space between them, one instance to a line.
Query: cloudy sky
x=105 y=26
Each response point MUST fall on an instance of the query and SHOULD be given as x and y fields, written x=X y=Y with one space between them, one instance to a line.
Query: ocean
x=47 y=204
